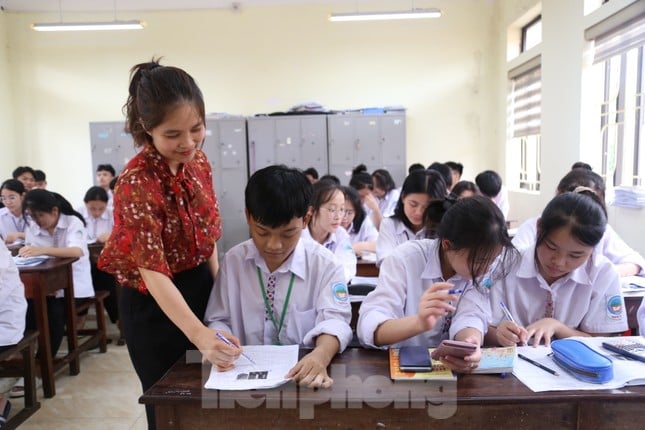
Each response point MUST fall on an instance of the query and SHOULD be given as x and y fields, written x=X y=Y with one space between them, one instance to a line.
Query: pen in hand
x=229 y=343
x=508 y=315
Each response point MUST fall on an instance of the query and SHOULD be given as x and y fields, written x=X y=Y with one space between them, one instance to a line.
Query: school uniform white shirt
x=611 y=245
x=587 y=299
x=69 y=232
x=367 y=232
x=10 y=223
x=403 y=278
x=501 y=200
x=318 y=304
x=391 y=234
x=13 y=305
x=97 y=226
x=388 y=203
x=340 y=245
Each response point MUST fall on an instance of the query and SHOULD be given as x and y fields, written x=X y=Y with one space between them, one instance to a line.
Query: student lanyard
x=269 y=308
x=20 y=227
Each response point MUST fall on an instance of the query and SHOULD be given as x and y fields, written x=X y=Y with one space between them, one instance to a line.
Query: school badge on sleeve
x=340 y=294
x=615 y=307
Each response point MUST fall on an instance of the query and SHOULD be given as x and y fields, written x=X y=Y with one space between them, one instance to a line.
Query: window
x=525 y=113
x=619 y=63
x=531 y=34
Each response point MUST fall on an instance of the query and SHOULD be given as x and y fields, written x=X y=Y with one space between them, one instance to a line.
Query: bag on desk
x=582 y=361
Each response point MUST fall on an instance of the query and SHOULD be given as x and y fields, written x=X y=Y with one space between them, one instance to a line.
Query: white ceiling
x=143 y=5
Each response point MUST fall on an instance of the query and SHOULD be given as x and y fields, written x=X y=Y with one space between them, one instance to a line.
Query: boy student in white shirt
x=490 y=185
x=105 y=174
x=13 y=307
x=324 y=227
x=627 y=261
x=419 y=189
x=560 y=287
x=279 y=287
x=420 y=283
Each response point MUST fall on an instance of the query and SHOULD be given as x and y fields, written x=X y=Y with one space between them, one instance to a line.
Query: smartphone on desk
x=455 y=348
x=414 y=359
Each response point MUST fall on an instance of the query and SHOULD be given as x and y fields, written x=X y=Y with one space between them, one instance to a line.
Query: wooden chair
x=100 y=332
x=26 y=368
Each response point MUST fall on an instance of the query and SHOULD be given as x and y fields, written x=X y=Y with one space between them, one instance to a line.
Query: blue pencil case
x=581 y=361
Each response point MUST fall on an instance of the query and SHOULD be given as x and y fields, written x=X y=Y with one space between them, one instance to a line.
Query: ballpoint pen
x=229 y=343
x=506 y=312
x=540 y=365
x=454 y=291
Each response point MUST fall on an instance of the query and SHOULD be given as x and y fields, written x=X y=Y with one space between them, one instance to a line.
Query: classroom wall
x=265 y=59
x=8 y=159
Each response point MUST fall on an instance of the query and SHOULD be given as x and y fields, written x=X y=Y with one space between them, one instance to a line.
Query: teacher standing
x=166 y=222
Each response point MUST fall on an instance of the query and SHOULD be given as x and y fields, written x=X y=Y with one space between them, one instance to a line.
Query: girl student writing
x=166 y=223
x=419 y=189
x=627 y=261
x=420 y=283
x=12 y=220
x=362 y=182
x=358 y=225
x=560 y=287
x=324 y=227
x=98 y=216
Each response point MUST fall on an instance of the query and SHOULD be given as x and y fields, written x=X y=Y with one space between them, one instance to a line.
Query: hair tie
x=582 y=189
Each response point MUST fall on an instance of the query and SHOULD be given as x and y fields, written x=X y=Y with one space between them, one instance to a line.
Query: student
x=362 y=182
x=411 y=304
x=465 y=189
x=100 y=222
x=13 y=307
x=419 y=189
x=358 y=225
x=490 y=185
x=40 y=179
x=12 y=220
x=278 y=287
x=456 y=170
x=105 y=174
x=560 y=287
x=627 y=261
x=324 y=226
x=415 y=166
x=166 y=222
x=385 y=191
x=25 y=174
x=641 y=318
x=98 y=216
x=445 y=172
x=311 y=174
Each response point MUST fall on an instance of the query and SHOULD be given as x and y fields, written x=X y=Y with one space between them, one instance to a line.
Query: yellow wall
x=8 y=160
x=263 y=59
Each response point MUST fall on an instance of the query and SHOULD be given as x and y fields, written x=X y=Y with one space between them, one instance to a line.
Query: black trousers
x=154 y=342
x=55 y=317
x=104 y=281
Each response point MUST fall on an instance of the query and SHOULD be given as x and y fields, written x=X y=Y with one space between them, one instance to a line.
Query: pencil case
x=581 y=361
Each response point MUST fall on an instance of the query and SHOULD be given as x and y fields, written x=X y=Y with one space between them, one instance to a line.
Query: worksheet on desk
x=626 y=371
x=272 y=363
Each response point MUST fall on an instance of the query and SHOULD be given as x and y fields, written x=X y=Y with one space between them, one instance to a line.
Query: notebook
x=497 y=360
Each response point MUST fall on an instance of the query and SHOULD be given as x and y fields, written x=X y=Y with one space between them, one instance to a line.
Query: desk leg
x=44 y=344
x=72 y=340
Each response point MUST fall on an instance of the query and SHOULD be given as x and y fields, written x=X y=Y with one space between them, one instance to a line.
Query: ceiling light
x=375 y=16
x=89 y=26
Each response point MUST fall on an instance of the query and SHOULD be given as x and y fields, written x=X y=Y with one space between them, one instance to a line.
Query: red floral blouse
x=162 y=222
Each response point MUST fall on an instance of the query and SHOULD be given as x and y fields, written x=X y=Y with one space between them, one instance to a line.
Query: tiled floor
x=103 y=396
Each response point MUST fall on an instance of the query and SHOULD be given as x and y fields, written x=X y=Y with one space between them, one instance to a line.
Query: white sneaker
x=18 y=390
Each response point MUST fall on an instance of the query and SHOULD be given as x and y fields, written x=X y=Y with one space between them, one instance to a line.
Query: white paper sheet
x=30 y=261
x=272 y=363
x=626 y=371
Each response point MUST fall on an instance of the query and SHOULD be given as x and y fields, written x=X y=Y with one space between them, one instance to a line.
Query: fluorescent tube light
x=89 y=26
x=375 y=16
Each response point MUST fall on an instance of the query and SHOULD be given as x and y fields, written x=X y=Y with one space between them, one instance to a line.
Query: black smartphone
x=414 y=359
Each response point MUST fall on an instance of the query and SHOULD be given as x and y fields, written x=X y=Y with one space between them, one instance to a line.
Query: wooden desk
x=366 y=268
x=632 y=303
x=40 y=281
x=363 y=397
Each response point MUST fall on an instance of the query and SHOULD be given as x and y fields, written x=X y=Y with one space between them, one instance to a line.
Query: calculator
x=629 y=348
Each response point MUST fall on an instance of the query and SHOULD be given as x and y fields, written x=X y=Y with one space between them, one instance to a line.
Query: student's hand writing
x=30 y=251
x=544 y=329
x=311 y=371
x=509 y=334
x=221 y=355
x=435 y=303
x=468 y=363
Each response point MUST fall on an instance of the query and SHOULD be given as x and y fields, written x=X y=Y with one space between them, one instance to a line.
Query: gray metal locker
x=296 y=141
x=376 y=140
x=110 y=144
x=225 y=147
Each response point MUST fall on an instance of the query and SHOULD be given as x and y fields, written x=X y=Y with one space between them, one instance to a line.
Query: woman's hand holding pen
x=436 y=303
x=221 y=355
x=509 y=333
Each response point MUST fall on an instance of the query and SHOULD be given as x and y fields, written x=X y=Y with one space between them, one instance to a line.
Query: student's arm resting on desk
x=67 y=252
x=177 y=310
x=311 y=370
x=13 y=236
